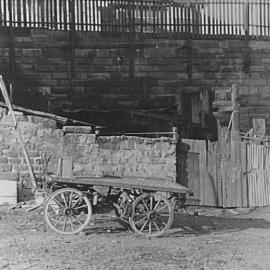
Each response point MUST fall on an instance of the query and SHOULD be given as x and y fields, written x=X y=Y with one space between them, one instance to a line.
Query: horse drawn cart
x=146 y=205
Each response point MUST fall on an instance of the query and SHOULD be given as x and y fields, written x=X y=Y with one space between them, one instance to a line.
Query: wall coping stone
x=78 y=129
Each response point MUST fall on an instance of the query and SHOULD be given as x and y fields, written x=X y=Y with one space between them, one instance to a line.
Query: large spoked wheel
x=68 y=211
x=152 y=215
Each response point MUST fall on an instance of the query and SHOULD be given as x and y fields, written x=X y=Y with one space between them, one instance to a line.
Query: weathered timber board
x=125 y=182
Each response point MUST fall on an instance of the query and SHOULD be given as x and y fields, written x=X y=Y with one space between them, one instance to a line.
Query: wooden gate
x=228 y=174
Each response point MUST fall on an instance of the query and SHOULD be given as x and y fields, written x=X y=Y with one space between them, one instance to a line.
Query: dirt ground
x=215 y=239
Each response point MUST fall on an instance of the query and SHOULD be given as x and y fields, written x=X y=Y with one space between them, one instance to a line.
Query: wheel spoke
x=150 y=226
x=73 y=205
x=58 y=202
x=151 y=203
x=161 y=221
x=157 y=204
x=143 y=226
x=138 y=221
x=70 y=199
x=80 y=207
x=77 y=219
x=71 y=223
x=64 y=199
x=162 y=207
x=156 y=225
x=146 y=207
x=65 y=224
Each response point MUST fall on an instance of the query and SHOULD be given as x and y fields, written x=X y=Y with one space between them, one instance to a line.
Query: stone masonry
x=90 y=154
x=121 y=155
x=43 y=142
x=95 y=74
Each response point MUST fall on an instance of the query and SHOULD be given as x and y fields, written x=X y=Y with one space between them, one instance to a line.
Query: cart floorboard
x=151 y=184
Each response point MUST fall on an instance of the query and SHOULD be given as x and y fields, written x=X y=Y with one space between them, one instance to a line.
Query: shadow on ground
x=186 y=224
x=189 y=224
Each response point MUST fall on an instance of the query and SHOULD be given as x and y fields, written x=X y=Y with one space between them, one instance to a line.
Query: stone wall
x=96 y=73
x=121 y=155
x=43 y=142
x=90 y=154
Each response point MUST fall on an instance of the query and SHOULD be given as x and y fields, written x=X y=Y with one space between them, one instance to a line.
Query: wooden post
x=235 y=133
x=20 y=137
x=235 y=149
x=175 y=133
x=11 y=44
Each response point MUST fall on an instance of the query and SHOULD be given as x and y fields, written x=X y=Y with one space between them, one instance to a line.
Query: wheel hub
x=68 y=211
x=151 y=215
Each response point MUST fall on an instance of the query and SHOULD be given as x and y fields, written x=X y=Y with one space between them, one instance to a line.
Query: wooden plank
x=55 y=117
x=244 y=196
x=218 y=173
x=19 y=134
x=125 y=182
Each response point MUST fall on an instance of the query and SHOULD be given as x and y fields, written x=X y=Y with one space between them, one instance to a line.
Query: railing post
x=71 y=38
x=246 y=66
x=246 y=19
x=131 y=37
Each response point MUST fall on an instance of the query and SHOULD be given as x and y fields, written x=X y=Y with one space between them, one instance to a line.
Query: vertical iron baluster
x=1 y=13
x=41 y=7
x=55 y=19
x=80 y=16
x=268 y=16
x=24 y=13
x=93 y=15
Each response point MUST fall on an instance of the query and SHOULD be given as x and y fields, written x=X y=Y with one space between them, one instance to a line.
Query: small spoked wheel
x=68 y=211
x=152 y=215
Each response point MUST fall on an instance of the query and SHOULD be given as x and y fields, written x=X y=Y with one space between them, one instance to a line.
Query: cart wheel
x=152 y=215
x=68 y=211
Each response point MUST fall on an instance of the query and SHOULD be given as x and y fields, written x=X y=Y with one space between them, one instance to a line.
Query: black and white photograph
x=134 y=134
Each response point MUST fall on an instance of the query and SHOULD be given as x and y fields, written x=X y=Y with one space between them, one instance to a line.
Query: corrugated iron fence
x=234 y=18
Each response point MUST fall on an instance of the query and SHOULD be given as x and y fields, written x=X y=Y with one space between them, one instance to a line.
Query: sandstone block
x=11 y=153
x=20 y=168
x=14 y=160
x=5 y=167
x=3 y=160
x=78 y=129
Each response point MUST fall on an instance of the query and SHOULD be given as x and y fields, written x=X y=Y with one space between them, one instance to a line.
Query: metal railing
x=234 y=18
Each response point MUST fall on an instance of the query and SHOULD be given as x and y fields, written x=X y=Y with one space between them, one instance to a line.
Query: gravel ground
x=215 y=239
